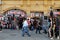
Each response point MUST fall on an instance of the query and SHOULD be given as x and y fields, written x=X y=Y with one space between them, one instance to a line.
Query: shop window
x=36 y=14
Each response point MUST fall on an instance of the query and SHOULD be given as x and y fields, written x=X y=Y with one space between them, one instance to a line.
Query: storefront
x=16 y=12
x=57 y=15
x=15 y=16
x=37 y=14
x=1 y=18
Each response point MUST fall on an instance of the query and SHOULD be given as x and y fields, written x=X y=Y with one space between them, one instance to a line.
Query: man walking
x=25 y=28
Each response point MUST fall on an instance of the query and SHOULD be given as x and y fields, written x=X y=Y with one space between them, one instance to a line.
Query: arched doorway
x=16 y=12
x=14 y=17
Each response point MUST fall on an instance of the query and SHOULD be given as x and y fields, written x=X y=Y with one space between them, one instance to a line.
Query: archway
x=16 y=15
x=16 y=12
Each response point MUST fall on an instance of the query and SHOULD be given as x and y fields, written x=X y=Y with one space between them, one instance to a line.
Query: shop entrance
x=37 y=17
x=57 y=15
x=14 y=18
x=37 y=14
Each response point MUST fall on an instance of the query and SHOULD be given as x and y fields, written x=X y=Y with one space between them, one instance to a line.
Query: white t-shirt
x=25 y=23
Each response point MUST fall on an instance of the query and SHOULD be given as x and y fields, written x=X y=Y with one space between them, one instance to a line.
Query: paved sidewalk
x=16 y=35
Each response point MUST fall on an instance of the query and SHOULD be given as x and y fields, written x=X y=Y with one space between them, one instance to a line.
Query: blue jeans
x=45 y=28
x=25 y=30
x=37 y=30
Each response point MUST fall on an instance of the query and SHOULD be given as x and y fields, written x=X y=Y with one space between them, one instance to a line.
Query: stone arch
x=13 y=8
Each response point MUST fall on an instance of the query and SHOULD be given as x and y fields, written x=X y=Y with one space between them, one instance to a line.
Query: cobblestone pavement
x=16 y=35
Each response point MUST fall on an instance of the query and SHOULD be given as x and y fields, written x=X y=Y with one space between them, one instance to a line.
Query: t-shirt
x=25 y=24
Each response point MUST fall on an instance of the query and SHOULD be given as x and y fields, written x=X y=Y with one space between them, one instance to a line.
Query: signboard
x=56 y=13
x=37 y=14
x=32 y=14
x=16 y=13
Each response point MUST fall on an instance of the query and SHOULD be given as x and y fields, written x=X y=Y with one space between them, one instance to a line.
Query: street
x=16 y=35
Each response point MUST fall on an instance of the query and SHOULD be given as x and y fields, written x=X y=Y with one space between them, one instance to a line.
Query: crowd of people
x=50 y=27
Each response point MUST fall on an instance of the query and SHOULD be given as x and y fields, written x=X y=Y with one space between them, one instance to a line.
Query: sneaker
x=58 y=37
x=51 y=38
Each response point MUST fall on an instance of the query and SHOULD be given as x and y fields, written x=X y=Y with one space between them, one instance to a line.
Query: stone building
x=29 y=6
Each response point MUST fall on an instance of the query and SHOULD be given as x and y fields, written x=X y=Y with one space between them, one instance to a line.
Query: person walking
x=38 y=28
x=0 y=27
x=51 y=27
x=25 y=28
x=20 y=22
x=57 y=28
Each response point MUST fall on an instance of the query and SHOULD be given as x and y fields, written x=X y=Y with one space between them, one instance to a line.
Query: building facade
x=29 y=5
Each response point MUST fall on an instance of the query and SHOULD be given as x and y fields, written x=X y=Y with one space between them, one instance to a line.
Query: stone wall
x=30 y=5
